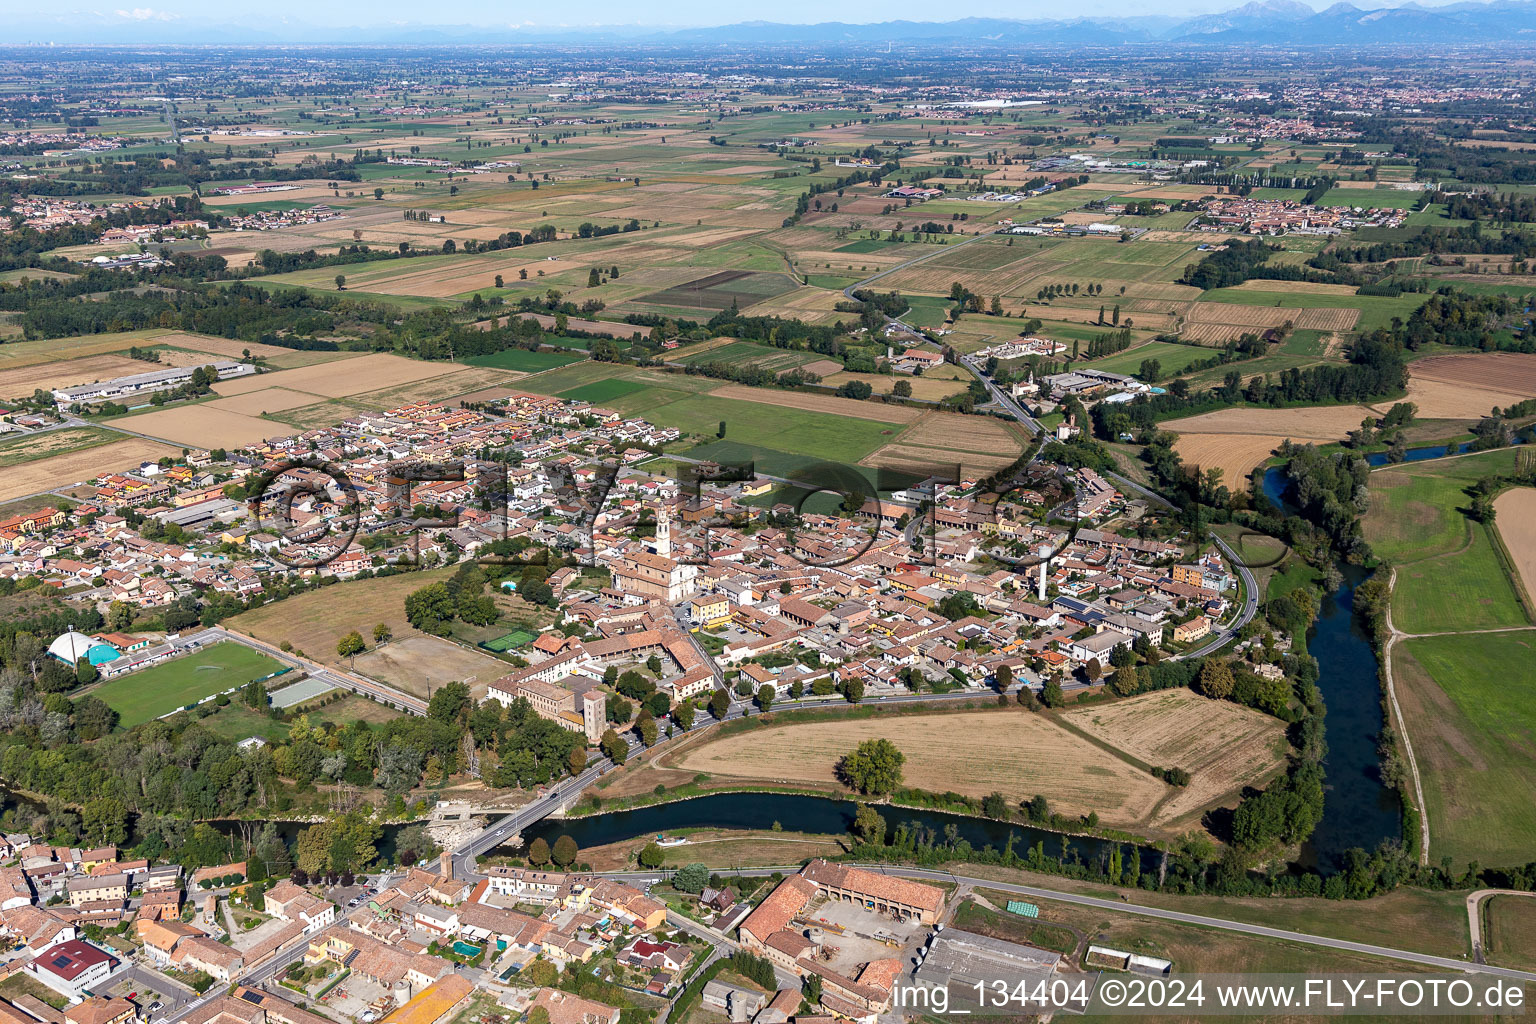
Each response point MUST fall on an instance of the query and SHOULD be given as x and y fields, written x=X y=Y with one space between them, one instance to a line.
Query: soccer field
x=143 y=696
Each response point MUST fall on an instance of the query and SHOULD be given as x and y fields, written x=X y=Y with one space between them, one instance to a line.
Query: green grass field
x=1466 y=589
x=1467 y=702
x=815 y=435
x=142 y=696
x=522 y=359
x=1171 y=359
x=1415 y=507
x=1449 y=575
x=603 y=390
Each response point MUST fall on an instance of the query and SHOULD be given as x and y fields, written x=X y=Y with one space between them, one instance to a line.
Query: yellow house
x=713 y=610
x=328 y=947
x=753 y=488
x=235 y=536
x=579 y=897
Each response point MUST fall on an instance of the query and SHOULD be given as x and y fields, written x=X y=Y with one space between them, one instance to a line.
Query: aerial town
x=775 y=523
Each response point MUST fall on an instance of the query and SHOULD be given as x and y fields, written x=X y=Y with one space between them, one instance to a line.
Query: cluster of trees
x=1376 y=370
x=872 y=768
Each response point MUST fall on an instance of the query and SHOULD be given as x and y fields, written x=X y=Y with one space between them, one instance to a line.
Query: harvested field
x=1087 y=315
x=914 y=458
x=314 y=621
x=254 y=403
x=1235 y=455
x=420 y=664
x=15 y=354
x=226 y=348
x=438 y=389
x=1300 y=287
x=926 y=387
x=610 y=328
x=1515 y=521
x=365 y=373
x=1468 y=385
x=1257 y=318
x=850 y=407
x=1319 y=422
x=1014 y=753
x=19 y=449
x=954 y=432
x=20 y=382
x=184 y=357
x=203 y=426
x=1222 y=745
x=74 y=467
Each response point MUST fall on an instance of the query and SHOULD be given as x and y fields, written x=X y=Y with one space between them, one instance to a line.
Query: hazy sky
x=271 y=13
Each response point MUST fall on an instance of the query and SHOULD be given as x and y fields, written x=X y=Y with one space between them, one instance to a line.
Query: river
x=1358 y=809
x=816 y=814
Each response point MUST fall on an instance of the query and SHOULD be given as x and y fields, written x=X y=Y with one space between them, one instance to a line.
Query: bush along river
x=1358 y=809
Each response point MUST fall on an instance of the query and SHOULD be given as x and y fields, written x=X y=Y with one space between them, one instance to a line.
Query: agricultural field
x=1414 y=506
x=523 y=361
x=1450 y=573
x=1018 y=755
x=312 y=622
x=58 y=472
x=1515 y=512
x=18 y=449
x=980 y=445
x=1465 y=703
x=1468 y=385
x=147 y=694
x=21 y=381
x=722 y=290
x=1509 y=931
x=1222 y=745
x=419 y=664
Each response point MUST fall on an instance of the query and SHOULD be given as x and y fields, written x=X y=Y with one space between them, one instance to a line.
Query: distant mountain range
x=1261 y=22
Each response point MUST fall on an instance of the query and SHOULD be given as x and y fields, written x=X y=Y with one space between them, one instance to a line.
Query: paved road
x=1180 y=917
x=1229 y=632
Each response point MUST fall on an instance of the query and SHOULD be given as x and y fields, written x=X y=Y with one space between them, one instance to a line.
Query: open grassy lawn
x=1467 y=704
x=141 y=696
x=236 y=721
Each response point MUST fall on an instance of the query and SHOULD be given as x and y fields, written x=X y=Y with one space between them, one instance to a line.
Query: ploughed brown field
x=1466 y=386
